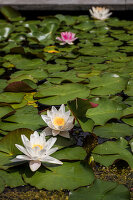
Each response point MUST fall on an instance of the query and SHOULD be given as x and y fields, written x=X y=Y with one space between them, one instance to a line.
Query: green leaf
x=79 y=107
x=64 y=142
x=106 y=110
x=21 y=86
x=12 y=178
x=107 y=84
x=3 y=84
x=27 y=115
x=10 y=97
x=113 y=130
x=59 y=94
x=110 y=151
x=101 y=190
x=68 y=176
x=128 y=121
x=71 y=153
x=7 y=143
x=129 y=89
x=10 y=13
x=2 y=184
x=5 y=110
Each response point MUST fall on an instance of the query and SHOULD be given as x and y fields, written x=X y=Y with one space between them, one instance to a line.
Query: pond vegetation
x=92 y=74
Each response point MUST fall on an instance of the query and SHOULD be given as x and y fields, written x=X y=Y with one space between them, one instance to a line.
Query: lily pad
x=106 y=110
x=11 y=97
x=110 y=151
x=71 y=153
x=59 y=94
x=101 y=190
x=77 y=173
x=113 y=130
x=79 y=107
x=24 y=115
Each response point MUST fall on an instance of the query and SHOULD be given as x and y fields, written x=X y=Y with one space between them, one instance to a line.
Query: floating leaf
x=107 y=84
x=113 y=130
x=71 y=153
x=59 y=94
x=11 y=97
x=77 y=173
x=79 y=107
x=106 y=110
x=101 y=190
x=27 y=115
x=110 y=151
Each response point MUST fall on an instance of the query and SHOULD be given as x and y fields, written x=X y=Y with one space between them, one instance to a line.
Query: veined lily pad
x=113 y=130
x=107 y=84
x=59 y=94
x=79 y=107
x=27 y=115
x=77 y=173
x=101 y=190
x=106 y=110
x=11 y=97
x=110 y=151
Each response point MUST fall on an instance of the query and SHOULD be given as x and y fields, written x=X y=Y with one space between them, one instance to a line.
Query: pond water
x=93 y=77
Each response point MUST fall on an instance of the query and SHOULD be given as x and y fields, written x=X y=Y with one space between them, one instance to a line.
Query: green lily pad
x=12 y=178
x=128 y=121
x=59 y=94
x=34 y=75
x=57 y=179
x=110 y=151
x=11 y=97
x=24 y=115
x=113 y=130
x=79 y=107
x=21 y=86
x=5 y=110
x=101 y=190
x=107 y=84
x=2 y=184
x=71 y=153
x=106 y=110
x=129 y=89
x=11 y=14
x=3 y=84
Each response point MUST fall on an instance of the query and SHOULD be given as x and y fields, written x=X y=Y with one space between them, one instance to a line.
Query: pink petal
x=94 y=105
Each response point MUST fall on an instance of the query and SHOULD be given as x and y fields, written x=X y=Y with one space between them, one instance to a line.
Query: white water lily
x=37 y=150
x=59 y=122
x=100 y=13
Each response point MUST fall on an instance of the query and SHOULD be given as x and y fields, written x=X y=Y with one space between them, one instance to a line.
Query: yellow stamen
x=99 y=8
x=59 y=121
x=37 y=145
x=53 y=51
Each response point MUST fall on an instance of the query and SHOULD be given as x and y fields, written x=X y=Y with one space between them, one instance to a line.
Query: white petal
x=55 y=132
x=25 y=140
x=50 y=143
x=22 y=149
x=65 y=134
x=50 y=159
x=62 y=108
x=45 y=118
x=47 y=131
x=54 y=110
x=23 y=157
x=51 y=151
x=34 y=165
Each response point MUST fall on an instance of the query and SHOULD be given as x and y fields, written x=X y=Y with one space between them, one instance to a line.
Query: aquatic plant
x=37 y=150
x=67 y=38
x=100 y=13
x=59 y=122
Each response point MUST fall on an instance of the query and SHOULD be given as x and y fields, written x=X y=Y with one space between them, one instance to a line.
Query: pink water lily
x=67 y=38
